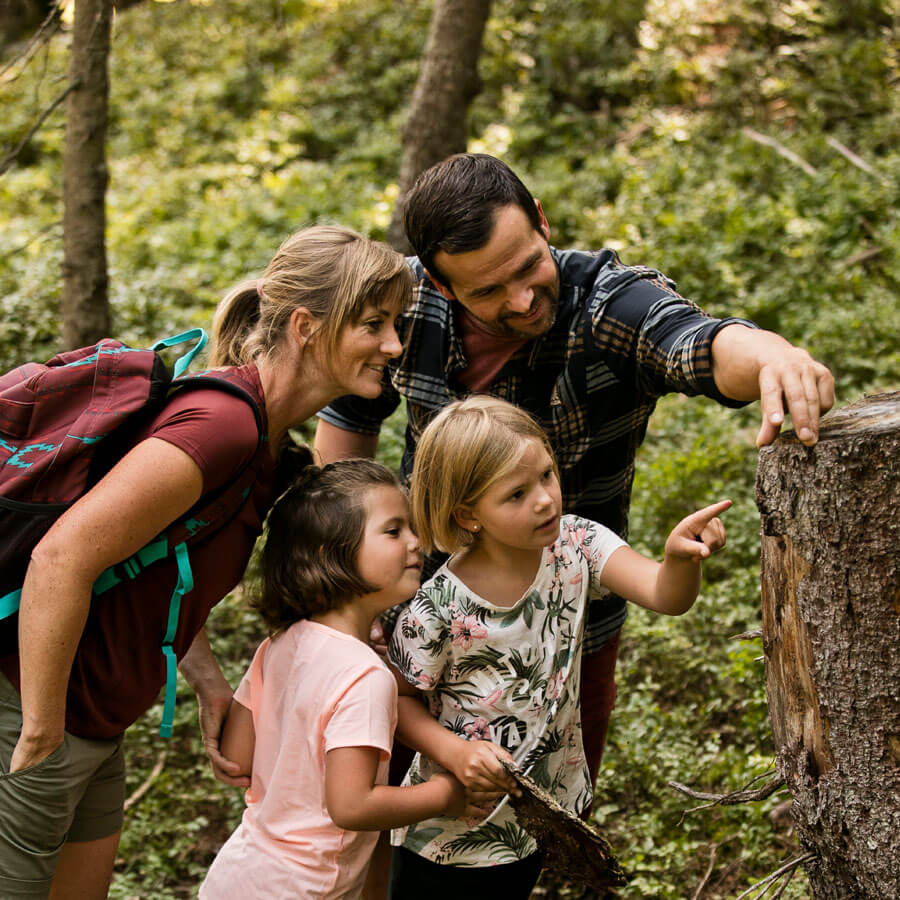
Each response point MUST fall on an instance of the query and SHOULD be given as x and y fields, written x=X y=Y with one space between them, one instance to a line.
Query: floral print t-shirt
x=510 y=675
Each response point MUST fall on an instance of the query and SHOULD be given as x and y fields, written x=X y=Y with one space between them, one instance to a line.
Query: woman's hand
x=31 y=751
x=202 y=673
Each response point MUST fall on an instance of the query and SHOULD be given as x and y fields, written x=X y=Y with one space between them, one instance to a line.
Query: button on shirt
x=622 y=338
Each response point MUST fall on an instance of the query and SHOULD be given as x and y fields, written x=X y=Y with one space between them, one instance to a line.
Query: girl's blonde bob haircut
x=468 y=446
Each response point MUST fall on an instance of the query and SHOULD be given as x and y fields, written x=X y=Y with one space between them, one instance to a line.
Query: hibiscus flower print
x=423 y=681
x=465 y=630
x=479 y=730
x=555 y=685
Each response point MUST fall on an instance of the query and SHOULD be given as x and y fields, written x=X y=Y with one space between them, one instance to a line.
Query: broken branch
x=747 y=635
x=10 y=158
x=148 y=782
x=769 y=879
x=780 y=149
x=732 y=799
x=857 y=161
x=47 y=29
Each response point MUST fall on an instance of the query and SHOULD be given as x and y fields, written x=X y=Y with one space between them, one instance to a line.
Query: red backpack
x=63 y=425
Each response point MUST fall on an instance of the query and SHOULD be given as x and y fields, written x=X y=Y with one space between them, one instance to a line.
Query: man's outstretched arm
x=750 y=364
x=333 y=443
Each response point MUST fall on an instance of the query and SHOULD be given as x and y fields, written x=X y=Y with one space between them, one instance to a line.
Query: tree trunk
x=831 y=634
x=448 y=80
x=85 y=307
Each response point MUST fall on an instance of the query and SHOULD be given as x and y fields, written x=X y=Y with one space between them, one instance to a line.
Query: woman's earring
x=476 y=528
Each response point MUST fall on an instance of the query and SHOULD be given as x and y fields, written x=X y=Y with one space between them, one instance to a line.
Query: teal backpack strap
x=10 y=603
x=181 y=364
x=185 y=584
x=156 y=550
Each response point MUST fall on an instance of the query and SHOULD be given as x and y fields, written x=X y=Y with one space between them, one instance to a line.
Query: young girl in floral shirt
x=493 y=641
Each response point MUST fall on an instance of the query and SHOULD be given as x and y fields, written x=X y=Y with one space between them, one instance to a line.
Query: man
x=584 y=343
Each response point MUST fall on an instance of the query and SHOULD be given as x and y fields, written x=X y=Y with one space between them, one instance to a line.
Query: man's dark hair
x=452 y=206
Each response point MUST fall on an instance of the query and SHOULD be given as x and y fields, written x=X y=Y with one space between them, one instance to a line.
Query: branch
x=148 y=782
x=712 y=859
x=30 y=241
x=862 y=256
x=10 y=158
x=857 y=161
x=732 y=799
x=784 y=884
x=47 y=29
x=769 y=879
x=747 y=635
x=780 y=149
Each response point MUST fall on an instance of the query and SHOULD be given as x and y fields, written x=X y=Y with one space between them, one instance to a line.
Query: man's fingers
x=825 y=387
x=220 y=762
x=770 y=392
x=484 y=798
x=802 y=388
x=767 y=433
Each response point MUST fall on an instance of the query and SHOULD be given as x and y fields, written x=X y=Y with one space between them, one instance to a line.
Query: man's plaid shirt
x=622 y=338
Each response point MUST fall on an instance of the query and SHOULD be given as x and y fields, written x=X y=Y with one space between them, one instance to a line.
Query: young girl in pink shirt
x=313 y=718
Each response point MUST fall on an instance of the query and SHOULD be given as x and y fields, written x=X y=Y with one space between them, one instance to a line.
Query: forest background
x=747 y=148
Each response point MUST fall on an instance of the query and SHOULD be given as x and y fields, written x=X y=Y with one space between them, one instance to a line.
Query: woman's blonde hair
x=331 y=271
x=467 y=447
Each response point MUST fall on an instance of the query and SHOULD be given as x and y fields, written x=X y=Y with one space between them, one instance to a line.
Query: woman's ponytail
x=235 y=320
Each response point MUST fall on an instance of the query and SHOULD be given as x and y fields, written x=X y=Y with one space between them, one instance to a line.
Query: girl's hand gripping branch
x=475 y=763
x=461 y=804
x=356 y=803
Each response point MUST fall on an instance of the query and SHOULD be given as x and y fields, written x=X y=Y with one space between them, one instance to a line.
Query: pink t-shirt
x=311 y=689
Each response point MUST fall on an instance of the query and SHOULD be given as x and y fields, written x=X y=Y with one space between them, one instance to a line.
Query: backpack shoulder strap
x=212 y=511
x=202 y=521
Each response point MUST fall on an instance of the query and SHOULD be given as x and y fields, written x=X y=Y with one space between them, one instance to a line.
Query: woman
x=319 y=324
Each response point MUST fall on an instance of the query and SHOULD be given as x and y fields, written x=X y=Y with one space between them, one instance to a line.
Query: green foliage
x=234 y=123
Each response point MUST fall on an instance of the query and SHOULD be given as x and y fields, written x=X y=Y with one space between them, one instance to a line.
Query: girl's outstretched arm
x=669 y=587
x=356 y=803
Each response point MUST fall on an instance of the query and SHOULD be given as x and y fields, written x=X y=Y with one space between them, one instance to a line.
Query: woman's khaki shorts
x=75 y=794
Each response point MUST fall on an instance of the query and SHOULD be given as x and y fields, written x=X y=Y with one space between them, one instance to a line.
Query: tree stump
x=831 y=636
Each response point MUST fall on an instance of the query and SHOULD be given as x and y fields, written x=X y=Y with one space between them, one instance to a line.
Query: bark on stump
x=831 y=635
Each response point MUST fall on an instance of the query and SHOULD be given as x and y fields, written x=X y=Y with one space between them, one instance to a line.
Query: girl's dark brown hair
x=314 y=532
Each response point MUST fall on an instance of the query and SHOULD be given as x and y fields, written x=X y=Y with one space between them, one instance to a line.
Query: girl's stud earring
x=476 y=528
